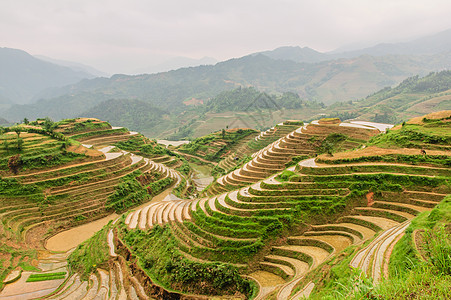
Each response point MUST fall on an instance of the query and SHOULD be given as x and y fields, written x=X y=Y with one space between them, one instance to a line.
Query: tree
x=25 y=121
x=223 y=133
x=19 y=144
x=14 y=163
x=49 y=125
x=328 y=148
x=18 y=131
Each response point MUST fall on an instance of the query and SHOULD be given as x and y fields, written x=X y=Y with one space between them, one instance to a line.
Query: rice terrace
x=220 y=150
x=325 y=209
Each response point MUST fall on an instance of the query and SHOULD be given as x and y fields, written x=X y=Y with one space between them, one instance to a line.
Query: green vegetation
x=326 y=82
x=141 y=145
x=36 y=148
x=228 y=235
x=91 y=134
x=415 y=96
x=136 y=114
x=295 y=160
x=131 y=192
x=413 y=275
x=73 y=126
x=11 y=258
x=165 y=265
x=432 y=135
x=434 y=160
x=214 y=146
x=46 y=276
x=91 y=254
x=330 y=144
x=250 y=99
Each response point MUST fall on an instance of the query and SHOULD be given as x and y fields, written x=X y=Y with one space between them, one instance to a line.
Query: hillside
x=282 y=227
x=240 y=108
x=214 y=147
x=134 y=114
x=327 y=82
x=415 y=96
x=56 y=176
x=286 y=232
x=4 y=122
x=23 y=77
x=433 y=44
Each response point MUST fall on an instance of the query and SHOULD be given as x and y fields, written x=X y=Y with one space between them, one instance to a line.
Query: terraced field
x=298 y=142
x=218 y=145
x=389 y=213
x=64 y=193
x=223 y=227
x=263 y=230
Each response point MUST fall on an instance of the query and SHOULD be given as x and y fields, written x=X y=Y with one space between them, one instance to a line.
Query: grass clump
x=46 y=276
x=91 y=254
x=131 y=191
x=285 y=175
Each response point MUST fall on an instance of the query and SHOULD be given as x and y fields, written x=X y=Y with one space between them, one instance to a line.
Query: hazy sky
x=119 y=36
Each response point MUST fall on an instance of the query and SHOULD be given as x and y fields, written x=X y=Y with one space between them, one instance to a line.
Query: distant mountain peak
x=176 y=63
x=78 y=67
x=295 y=53
x=23 y=76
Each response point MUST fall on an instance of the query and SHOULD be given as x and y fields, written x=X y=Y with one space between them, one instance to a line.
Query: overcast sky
x=120 y=36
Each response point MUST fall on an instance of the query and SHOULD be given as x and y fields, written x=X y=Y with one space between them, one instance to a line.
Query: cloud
x=119 y=35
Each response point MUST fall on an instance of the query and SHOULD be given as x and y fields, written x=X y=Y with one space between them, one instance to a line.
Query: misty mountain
x=429 y=45
x=296 y=54
x=327 y=82
x=176 y=63
x=414 y=96
x=22 y=76
x=432 y=44
x=78 y=67
x=4 y=122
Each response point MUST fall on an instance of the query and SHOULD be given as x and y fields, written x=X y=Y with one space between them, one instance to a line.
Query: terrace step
x=370 y=259
x=299 y=267
x=423 y=203
x=278 y=269
x=382 y=223
x=395 y=215
x=317 y=254
x=429 y=196
x=69 y=288
x=337 y=242
x=352 y=237
x=399 y=206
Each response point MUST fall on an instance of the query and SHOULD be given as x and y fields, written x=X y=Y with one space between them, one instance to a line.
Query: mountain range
x=23 y=76
x=433 y=44
x=61 y=92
